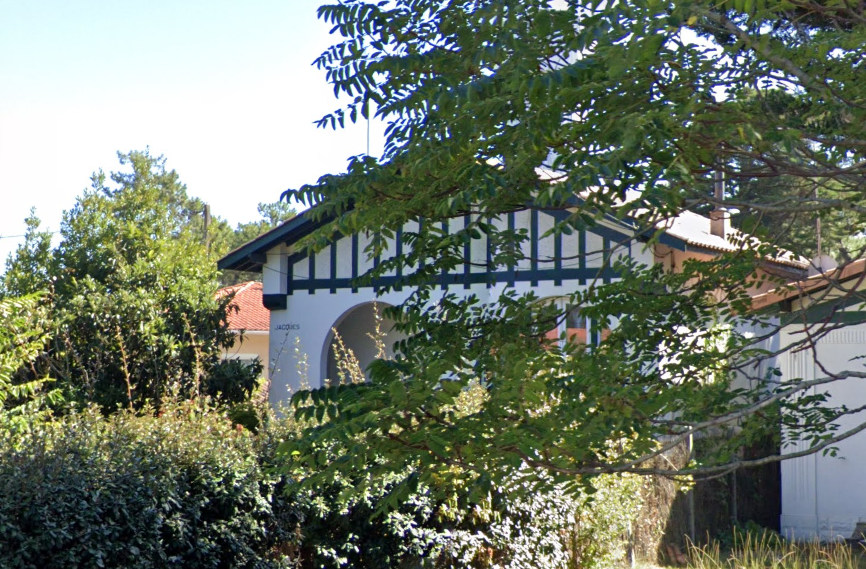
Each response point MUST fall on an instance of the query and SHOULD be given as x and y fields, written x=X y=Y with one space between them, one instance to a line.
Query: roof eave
x=803 y=288
x=252 y=255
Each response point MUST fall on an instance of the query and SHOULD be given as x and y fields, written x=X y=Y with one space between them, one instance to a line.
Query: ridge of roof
x=236 y=288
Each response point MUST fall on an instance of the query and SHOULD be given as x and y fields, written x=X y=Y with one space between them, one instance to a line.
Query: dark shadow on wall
x=712 y=508
x=671 y=516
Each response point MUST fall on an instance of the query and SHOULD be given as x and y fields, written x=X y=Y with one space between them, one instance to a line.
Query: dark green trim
x=606 y=255
x=451 y=279
x=839 y=317
x=467 y=253
x=489 y=251
x=533 y=243
x=443 y=275
x=831 y=311
x=275 y=301
x=252 y=256
x=398 y=248
x=512 y=269
x=581 y=252
x=834 y=310
x=290 y=279
x=600 y=230
x=354 y=259
x=578 y=202
x=333 y=264
x=557 y=255
x=511 y=275
x=311 y=267
x=672 y=242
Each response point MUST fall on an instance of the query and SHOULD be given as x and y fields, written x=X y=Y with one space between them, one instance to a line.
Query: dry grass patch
x=769 y=551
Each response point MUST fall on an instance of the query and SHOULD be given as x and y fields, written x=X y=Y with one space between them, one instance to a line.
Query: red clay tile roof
x=246 y=311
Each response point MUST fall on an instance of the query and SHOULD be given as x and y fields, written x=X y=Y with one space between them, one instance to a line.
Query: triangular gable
x=251 y=256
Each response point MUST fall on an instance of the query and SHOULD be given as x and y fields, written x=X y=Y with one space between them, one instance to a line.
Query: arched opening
x=356 y=330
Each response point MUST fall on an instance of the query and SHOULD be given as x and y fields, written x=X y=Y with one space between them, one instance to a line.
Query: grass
x=769 y=551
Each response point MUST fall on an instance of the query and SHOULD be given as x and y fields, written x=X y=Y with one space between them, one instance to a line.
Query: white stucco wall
x=307 y=320
x=303 y=328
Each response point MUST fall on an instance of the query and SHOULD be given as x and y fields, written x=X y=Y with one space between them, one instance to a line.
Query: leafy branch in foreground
x=671 y=368
x=602 y=113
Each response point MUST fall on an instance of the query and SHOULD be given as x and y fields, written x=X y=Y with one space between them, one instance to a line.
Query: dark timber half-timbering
x=340 y=265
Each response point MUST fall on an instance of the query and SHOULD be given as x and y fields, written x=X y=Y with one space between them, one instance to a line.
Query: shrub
x=183 y=489
x=550 y=529
x=758 y=548
x=22 y=338
x=186 y=488
x=232 y=380
x=358 y=521
x=347 y=524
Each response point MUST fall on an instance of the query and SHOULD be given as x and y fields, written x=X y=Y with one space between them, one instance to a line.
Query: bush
x=359 y=521
x=347 y=523
x=550 y=529
x=22 y=338
x=232 y=380
x=183 y=489
x=188 y=489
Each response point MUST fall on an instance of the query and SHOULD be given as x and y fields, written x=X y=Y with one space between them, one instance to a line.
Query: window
x=576 y=327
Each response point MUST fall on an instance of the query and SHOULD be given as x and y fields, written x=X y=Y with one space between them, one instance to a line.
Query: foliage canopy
x=131 y=290
x=619 y=110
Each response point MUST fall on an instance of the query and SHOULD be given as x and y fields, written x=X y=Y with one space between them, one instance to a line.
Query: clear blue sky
x=223 y=89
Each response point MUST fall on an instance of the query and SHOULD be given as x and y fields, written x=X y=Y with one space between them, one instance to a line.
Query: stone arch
x=354 y=327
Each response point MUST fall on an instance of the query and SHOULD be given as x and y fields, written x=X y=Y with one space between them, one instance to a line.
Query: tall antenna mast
x=818 y=224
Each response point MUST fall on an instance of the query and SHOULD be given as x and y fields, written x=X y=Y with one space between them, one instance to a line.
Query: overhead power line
x=25 y=235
